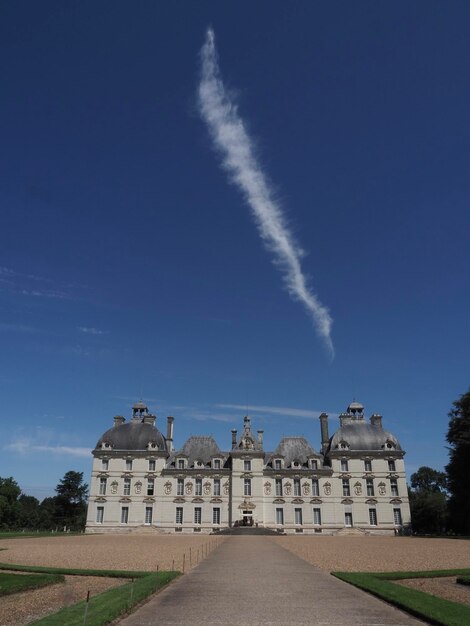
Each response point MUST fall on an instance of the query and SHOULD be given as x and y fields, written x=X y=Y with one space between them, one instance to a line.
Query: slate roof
x=199 y=448
x=362 y=436
x=293 y=449
x=133 y=435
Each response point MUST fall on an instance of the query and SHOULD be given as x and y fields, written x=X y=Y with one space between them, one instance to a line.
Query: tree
x=428 y=501
x=9 y=507
x=458 y=468
x=71 y=501
x=29 y=512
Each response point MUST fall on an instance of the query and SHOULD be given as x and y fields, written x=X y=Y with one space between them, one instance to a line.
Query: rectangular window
x=99 y=514
x=128 y=465
x=179 y=514
x=315 y=487
x=348 y=520
x=124 y=515
x=247 y=466
x=344 y=465
x=216 y=463
x=277 y=464
x=372 y=517
x=280 y=516
x=317 y=516
x=397 y=517
x=152 y=465
x=150 y=486
x=216 y=486
x=346 y=490
x=104 y=464
x=314 y=465
x=368 y=465
x=127 y=486
x=298 y=516
x=198 y=491
x=296 y=486
x=216 y=515
x=391 y=466
x=197 y=514
x=247 y=487
x=180 y=463
x=279 y=487
x=370 y=487
x=180 y=487
x=393 y=487
x=148 y=514
x=102 y=486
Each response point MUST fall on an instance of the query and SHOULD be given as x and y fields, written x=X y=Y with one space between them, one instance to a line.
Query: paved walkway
x=252 y=581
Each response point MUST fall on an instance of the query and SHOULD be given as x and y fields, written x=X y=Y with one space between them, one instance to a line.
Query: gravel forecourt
x=151 y=552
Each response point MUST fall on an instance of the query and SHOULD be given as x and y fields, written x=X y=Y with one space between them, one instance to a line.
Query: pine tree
x=458 y=469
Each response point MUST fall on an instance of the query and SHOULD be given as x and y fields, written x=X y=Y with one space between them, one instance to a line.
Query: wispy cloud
x=25 y=446
x=91 y=331
x=18 y=328
x=35 y=286
x=232 y=141
x=275 y=410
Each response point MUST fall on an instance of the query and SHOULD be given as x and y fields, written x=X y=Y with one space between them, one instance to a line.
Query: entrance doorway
x=247 y=519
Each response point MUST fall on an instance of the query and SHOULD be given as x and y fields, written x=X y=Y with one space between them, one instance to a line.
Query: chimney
x=234 y=438
x=169 y=432
x=150 y=419
x=118 y=420
x=324 y=430
x=260 y=437
x=376 y=420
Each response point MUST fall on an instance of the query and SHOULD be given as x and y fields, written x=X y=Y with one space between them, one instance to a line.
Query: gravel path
x=445 y=588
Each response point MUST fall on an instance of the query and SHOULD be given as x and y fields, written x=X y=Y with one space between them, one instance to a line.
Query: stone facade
x=356 y=483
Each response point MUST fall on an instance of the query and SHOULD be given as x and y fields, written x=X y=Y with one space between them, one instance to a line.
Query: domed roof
x=359 y=435
x=133 y=435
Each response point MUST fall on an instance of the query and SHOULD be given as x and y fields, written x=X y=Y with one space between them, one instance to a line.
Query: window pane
x=102 y=486
x=151 y=466
x=128 y=464
x=150 y=486
x=180 y=487
x=315 y=465
x=397 y=517
x=296 y=487
x=394 y=487
x=316 y=516
x=368 y=466
x=344 y=465
x=373 y=517
x=127 y=486
x=279 y=516
x=391 y=466
x=298 y=516
x=370 y=487
x=199 y=486
x=217 y=464
x=216 y=515
x=278 y=486
x=247 y=487
x=148 y=514
x=181 y=464
x=315 y=488
x=105 y=464
x=124 y=515
x=216 y=487
x=247 y=466
x=100 y=514
x=348 y=520
x=277 y=464
x=197 y=515
x=179 y=514
x=346 y=490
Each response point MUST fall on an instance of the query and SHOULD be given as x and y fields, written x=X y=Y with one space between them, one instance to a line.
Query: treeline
x=440 y=501
x=64 y=511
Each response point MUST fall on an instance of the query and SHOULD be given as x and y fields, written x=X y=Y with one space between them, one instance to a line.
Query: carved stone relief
x=114 y=487
x=226 y=488
x=288 y=488
x=167 y=488
x=306 y=489
x=189 y=488
x=382 y=489
x=207 y=488
x=267 y=488
x=138 y=487
x=327 y=488
x=358 y=489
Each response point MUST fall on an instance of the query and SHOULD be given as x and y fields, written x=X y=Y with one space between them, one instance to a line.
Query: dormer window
x=314 y=464
x=247 y=465
x=128 y=465
x=105 y=444
x=367 y=465
x=343 y=445
x=198 y=464
x=390 y=445
x=104 y=464
x=295 y=464
x=344 y=465
x=180 y=463
x=277 y=464
x=152 y=445
x=216 y=463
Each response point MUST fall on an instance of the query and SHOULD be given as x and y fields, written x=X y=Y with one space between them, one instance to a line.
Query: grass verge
x=14 y=583
x=422 y=605
x=104 y=607
x=27 y=535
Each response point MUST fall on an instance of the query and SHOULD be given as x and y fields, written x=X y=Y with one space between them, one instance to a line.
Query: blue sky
x=131 y=266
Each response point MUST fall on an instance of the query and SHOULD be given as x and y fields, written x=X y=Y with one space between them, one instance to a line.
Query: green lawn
x=422 y=605
x=13 y=583
x=13 y=534
x=104 y=607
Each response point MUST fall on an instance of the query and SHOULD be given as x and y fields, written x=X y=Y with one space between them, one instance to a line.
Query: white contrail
x=232 y=141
